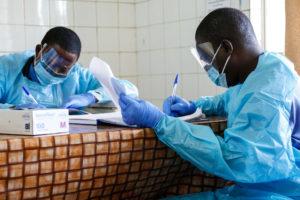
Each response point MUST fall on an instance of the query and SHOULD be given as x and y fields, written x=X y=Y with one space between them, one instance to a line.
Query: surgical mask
x=44 y=77
x=215 y=76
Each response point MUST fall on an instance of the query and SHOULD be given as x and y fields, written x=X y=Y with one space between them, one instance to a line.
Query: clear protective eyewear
x=54 y=63
x=204 y=53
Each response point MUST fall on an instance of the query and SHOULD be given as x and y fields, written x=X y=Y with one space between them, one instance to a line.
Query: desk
x=98 y=162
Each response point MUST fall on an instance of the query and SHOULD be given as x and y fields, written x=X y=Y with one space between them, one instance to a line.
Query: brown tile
x=102 y=148
x=31 y=155
x=102 y=136
x=101 y=171
x=14 y=194
x=15 y=144
x=44 y=191
x=72 y=187
x=88 y=162
x=3 y=172
x=125 y=157
x=60 y=165
x=112 y=170
x=126 y=135
x=123 y=169
x=89 y=149
x=126 y=146
x=75 y=150
x=30 y=181
x=30 y=194
x=31 y=168
x=88 y=137
x=99 y=182
x=60 y=177
x=46 y=167
x=2 y=185
x=84 y=185
x=45 y=180
x=114 y=135
x=113 y=159
x=101 y=160
x=75 y=139
x=47 y=141
x=61 y=152
x=3 y=145
x=61 y=140
x=59 y=189
x=15 y=184
x=84 y=195
x=31 y=143
x=46 y=154
x=138 y=144
x=15 y=170
x=87 y=173
x=3 y=158
x=75 y=163
x=74 y=175
x=114 y=147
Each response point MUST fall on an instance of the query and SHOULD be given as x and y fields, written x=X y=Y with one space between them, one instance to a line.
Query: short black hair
x=226 y=23
x=65 y=38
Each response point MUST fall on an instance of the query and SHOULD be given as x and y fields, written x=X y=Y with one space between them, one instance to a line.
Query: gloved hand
x=139 y=112
x=29 y=106
x=79 y=101
x=176 y=106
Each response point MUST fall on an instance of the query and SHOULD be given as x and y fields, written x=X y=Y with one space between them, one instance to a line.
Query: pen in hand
x=29 y=95
x=175 y=86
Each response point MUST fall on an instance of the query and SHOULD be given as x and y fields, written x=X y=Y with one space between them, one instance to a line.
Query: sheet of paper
x=101 y=70
x=196 y=114
x=111 y=118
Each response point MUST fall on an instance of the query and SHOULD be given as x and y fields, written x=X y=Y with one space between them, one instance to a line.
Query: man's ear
x=38 y=48
x=227 y=45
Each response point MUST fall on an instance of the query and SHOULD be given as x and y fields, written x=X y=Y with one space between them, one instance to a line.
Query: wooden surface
x=292 y=43
x=98 y=163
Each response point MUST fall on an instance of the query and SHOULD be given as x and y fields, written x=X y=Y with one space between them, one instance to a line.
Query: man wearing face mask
x=51 y=74
x=260 y=148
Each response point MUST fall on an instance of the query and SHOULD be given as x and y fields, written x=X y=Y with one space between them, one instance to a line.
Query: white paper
x=111 y=118
x=101 y=70
x=197 y=113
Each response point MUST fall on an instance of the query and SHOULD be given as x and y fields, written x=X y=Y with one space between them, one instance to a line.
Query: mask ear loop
x=215 y=54
x=228 y=58
x=43 y=46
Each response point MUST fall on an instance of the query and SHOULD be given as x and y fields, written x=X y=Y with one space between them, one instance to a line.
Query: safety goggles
x=204 y=53
x=55 y=64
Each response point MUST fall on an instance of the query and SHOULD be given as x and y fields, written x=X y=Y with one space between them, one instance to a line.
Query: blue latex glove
x=79 y=101
x=139 y=112
x=29 y=106
x=176 y=106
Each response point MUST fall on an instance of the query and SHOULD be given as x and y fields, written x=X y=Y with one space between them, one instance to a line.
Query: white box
x=34 y=122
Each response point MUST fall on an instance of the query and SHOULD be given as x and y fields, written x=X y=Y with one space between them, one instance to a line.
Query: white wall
x=144 y=41
x=165 y=33
x=106 y=28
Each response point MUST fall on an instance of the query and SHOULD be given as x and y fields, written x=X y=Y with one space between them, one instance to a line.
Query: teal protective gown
x=79 y=81
x=256 y=151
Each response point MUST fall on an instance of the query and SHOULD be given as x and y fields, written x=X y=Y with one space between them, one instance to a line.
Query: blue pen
x=175 y=85
x=29 y=95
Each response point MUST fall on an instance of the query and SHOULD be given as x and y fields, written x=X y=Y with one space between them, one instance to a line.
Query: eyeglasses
x=55 y=64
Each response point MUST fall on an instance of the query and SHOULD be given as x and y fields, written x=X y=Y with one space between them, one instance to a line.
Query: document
x=114 y=118
x=102 y=72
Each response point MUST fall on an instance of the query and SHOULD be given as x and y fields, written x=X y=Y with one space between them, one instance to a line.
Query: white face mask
x=44 y=77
